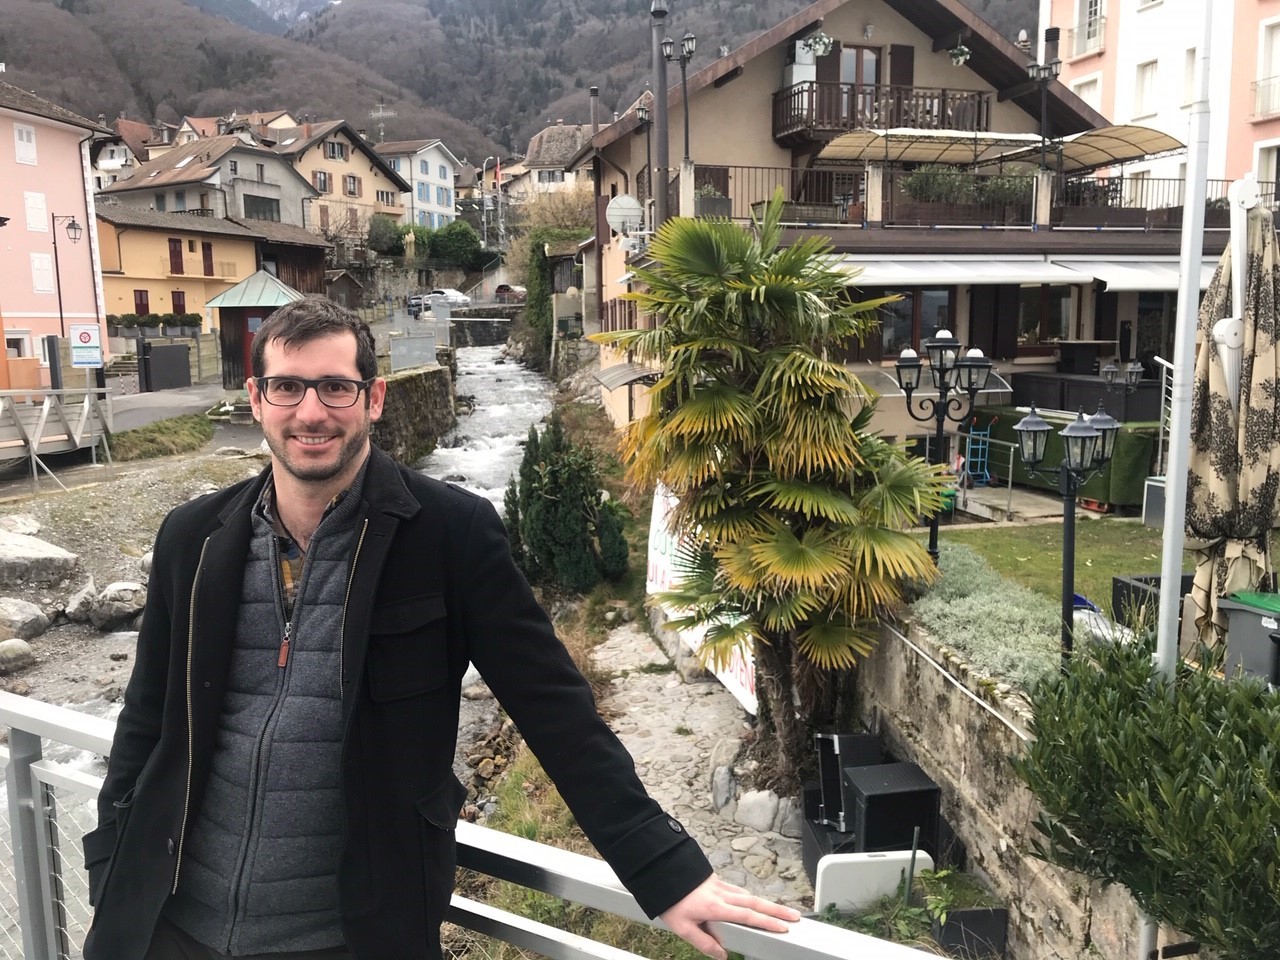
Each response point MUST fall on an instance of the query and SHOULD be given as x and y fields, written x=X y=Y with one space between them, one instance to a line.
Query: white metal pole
x=1184 y=355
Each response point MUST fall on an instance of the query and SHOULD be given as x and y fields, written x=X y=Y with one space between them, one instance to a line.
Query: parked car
x=417 y=302
x=510 y=293
x=454 y=298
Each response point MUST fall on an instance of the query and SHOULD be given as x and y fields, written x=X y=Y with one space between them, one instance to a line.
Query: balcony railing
x=818 y=110
x=929 y=197
x=1147 y=203
x=1086 y=37
x=53 y=776
x=818 y=195
x=1266 y=98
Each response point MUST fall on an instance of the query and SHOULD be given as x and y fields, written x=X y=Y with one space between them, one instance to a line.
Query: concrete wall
x=466 y=332
x=936 y=715
x=417 y=413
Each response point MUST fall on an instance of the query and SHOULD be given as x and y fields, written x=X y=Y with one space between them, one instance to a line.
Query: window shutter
x=42 y=273
x=24 y=144
x=37 y=215
x=359 y=186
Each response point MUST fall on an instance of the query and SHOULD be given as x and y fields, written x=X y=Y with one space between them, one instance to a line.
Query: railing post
x=26 y=818
x=1042 y=214
x=875 y=193
x=686 y=188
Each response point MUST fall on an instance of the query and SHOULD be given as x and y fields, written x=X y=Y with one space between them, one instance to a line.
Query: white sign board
x=86 y=345
x=739 y=675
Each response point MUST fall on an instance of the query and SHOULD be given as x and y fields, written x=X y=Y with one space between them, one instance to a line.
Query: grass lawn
x=1032 y=554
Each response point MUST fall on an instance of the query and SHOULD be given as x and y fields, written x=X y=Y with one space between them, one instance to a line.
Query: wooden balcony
x=821 y=111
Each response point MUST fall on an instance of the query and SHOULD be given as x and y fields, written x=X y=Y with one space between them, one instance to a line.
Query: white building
x=429 y=166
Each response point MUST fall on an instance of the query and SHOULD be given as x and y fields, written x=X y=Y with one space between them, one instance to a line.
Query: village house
x=431 y=170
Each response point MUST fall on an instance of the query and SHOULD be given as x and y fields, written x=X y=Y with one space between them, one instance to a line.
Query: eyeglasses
x=289 y=391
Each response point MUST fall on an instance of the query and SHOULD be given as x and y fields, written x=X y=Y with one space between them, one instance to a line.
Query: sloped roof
x=556 y=145
x=262 y=289
x=23 y=101
x=135 y=134
x=192 y=162
x=123 y=216
x=203 y=126
x=995 y=59
x=397 y=147
x=292 y=142
x=273 y=232
x=332 y=276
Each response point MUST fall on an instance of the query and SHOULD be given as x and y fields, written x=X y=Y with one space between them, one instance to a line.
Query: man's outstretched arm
x=715 y=899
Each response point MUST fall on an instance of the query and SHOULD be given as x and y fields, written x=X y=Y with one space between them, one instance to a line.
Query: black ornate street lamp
x=1088 y=444
x=657 y=14
x=949 y=372
x=1132 y=376
x=688 y=44
x=1044 y=74
x=74 y=231
x=646 y=122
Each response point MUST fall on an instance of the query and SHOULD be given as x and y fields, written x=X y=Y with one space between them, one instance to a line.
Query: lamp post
x=657 y=14
x=646 y=121
x=1044 y=74
x=1132 y=376
x=1088 y=444
x=74 y=230
x=688 y=44
x=484 y=200
x=950 y=372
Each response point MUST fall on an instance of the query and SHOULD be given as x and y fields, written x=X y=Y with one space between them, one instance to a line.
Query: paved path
x=679 y=732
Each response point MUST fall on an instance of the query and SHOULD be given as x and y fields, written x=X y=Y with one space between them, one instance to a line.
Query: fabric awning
x=621 y=374
x=907 y=145
x=1124 y=275
x=898 y=272
x=1103 y=147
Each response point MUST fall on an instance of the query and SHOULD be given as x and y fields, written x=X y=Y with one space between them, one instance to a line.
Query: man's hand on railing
x=714 y=899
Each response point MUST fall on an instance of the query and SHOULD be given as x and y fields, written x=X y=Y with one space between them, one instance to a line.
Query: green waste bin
x=1253 y=633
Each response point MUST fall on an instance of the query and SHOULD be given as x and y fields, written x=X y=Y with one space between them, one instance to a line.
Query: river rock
x=757 y=809
x=80 y=602
x=790 y=818
x=21 y=618
x=22 y=523
x=117 y=604
x=723 y=787
x=146 y=563
x=27 y=559
x=15 y=654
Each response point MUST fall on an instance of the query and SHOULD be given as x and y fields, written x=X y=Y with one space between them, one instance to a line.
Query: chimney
x=223 y=126
x=1051 y=35
x=102 y=119
x=306 y=131
x=595 y=102
x=363 y=134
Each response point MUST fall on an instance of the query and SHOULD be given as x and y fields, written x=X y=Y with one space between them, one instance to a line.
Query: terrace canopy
x=909 y=145
x=1103 y=147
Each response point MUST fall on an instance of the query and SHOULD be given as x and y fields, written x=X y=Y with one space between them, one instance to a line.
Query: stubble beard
x=352 y=448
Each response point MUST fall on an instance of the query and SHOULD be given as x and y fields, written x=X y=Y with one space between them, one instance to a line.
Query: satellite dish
x=624 y=214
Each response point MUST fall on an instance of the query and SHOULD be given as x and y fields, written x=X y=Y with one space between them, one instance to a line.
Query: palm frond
x=722 y=640
x=834 y=646
x=810 y=500
x=890 y=554
x=903 y=491
x=785 y=612
x=813 y=560
x=715 y=409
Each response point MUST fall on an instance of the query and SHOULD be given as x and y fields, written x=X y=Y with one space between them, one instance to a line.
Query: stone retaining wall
x=417 y=413
x=935 y=714
x=479 y=332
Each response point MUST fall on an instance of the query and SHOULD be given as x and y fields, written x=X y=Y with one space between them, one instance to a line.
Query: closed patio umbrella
x=1234 y=464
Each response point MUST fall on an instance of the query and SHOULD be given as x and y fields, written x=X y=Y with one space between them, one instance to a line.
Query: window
x=42 y=273
x=441 y=197
x=1090 y=28
x=262 y=172
x=921 y=313
x=17 y=343
x=1144 y=89
x=1044 y=313
x=1267 y=86
x=422 y=192
x=179 y=302
x=191 y=246
x=233 y=168
x=444 y=173
x=322 y=181
x=261 y=208
x=353 y=218
x=37 y=214
x=422 y=218
x=157 y=203
x=394 y=164
x=176 y=263
x=179 y=200
x=423 y=168
x=1088 y=91
x=206 y=254
x=141 y=302
x=351 y=185
x=1189 y=77
x=387 y=198
x=551 y=176
x=24 y=143
x=335 y=150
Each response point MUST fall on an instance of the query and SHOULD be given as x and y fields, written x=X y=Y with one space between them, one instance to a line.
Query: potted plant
x=181 y=324
x=1008 y=196
x=938 y=192
x=113 y=325
x=708 y=201
x=128 y=324
x=967 y=920
x=149 y=325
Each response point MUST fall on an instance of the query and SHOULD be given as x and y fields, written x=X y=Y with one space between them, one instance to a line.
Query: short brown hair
x=309 y=319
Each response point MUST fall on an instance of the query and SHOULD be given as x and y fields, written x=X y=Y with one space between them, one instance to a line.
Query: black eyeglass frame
x=264 y=387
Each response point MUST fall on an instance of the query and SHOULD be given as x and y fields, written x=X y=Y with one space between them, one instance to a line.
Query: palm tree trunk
x=777 y=711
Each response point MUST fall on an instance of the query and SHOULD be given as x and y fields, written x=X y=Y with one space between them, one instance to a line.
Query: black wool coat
x=432 y=586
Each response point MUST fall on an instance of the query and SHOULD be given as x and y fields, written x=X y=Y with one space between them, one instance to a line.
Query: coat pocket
x=408 y=648
x=100 y=872
x=438 y=813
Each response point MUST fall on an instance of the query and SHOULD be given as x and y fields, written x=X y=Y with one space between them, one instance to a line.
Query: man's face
x=311 y=442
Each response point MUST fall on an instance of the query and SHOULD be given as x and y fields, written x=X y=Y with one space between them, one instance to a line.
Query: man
x=280 y=782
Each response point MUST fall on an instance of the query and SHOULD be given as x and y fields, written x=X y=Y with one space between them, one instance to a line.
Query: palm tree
x=794 y=517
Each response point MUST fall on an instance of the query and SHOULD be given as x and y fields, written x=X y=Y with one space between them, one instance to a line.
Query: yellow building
x=170 y=262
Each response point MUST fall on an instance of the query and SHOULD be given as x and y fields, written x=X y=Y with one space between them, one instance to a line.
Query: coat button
x=207 y=684
x=675 y=825
x=171 y=846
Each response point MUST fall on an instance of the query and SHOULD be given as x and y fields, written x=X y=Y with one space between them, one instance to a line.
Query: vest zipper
x=342 y=631
x=283 y=658
x=191 y=723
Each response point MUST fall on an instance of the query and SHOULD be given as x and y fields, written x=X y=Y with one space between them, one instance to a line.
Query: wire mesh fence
x=10 y=932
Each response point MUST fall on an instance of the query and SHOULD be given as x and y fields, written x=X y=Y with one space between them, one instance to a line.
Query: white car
x=454 y=298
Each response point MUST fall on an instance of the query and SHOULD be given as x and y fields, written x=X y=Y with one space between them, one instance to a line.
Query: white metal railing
x=34 y=423
x=53 y=773
x=1166 y=413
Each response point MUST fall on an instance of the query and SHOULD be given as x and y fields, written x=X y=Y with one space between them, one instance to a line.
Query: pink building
x=46 y=200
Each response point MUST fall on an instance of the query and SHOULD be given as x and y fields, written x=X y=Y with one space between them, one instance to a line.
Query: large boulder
x=18 y=618
x=25 y=559
x=15 y=655
x=117 y=604
x=80 y=603
x=22 y=523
